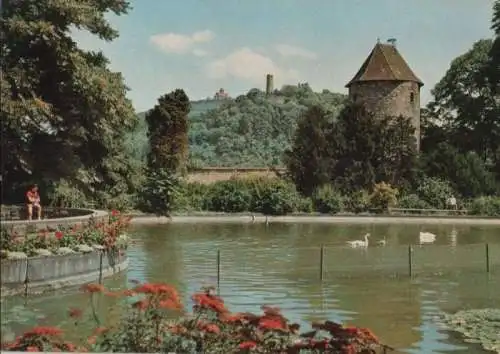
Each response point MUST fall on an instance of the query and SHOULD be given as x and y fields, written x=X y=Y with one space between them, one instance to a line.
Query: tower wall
x=269 y=84
x=390 y=98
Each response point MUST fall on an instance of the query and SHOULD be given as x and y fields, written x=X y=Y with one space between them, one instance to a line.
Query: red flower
x=93 y=288
x=212 y=302
x=211 y=328
x=115 y=213
x=128 y=292
x=59 y=235
x=32 y=349
x=271 y=324
x=70 y=347
x=75 y=313
x=247 y=345
x=43 y=331
x=169 y=304
x=100 y=330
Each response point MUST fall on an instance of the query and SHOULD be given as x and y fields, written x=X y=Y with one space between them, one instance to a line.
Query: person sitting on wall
x=33 y=201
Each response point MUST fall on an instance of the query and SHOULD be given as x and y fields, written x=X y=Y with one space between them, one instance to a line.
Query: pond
x=280 y=264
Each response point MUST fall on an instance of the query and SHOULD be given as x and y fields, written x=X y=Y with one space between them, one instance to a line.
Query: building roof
x=385 y=63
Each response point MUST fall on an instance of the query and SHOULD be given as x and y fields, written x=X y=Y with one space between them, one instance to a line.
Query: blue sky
x=203 y=45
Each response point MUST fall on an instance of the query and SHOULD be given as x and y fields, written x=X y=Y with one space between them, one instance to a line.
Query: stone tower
x=386 y=85
x=269 y=84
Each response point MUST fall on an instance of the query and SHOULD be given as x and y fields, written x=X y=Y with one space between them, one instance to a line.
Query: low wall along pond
x=37 y=275
x=68 y=263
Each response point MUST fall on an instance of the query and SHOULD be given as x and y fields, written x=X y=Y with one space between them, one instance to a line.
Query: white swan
x=359 y=243
x=426 y=237
x=382 y=242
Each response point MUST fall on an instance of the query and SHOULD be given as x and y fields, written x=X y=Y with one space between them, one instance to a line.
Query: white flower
x=43 y=252
x=17 y=255
x=84 y=248
x=64 y=250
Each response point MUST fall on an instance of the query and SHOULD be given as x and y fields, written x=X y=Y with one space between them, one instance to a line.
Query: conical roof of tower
x=385 y=63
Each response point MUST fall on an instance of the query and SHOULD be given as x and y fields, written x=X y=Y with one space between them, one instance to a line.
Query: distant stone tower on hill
x=386 y=85
x=269 y=84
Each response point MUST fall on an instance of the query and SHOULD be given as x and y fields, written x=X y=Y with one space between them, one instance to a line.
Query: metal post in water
x=100 y=266
x=487 y=249
x=218 y=272
x=26 y=279
x=410 y=261
x=321 y=262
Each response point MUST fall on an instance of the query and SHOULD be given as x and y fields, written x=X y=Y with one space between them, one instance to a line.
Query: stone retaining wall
x=37 y=275
x=74 y=216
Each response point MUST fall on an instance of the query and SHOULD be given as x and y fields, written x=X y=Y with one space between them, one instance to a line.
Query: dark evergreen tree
x=167 y=132
x=168 y=149
x=308 y=161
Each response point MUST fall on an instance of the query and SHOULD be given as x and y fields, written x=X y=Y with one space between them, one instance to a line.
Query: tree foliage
x=466 y=105
x=167 y=132
x=353 y=152
x=64 y=113
x=495 y=50
x=168 y=146
x=308 y=160
x=254 y=129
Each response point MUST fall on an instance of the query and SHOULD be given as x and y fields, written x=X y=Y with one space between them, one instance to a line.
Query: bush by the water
x=149 y=327
x=274 y=196
x=270 y=196
x=383 y=197
x=487 y=206
x=326 y=200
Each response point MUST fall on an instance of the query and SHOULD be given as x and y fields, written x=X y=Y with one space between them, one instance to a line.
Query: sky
x=203 y=45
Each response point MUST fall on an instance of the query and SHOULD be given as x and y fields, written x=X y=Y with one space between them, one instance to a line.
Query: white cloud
x=287 y=50
x=248 y=65
x=199 y=52
x=180 y=43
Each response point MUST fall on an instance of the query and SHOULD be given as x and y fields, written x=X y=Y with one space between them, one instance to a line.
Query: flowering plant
x=102 y=233
x=150 y=326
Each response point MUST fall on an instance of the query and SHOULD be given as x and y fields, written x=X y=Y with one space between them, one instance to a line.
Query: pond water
x=280 y=264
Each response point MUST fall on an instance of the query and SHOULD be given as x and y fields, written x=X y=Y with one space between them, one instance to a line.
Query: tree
x=167 y=132
x=308 y=160
x=168 y=148
x=64 y=113
x=466 y=105
x=371 y=149
x=466 y=172
x=495 y=50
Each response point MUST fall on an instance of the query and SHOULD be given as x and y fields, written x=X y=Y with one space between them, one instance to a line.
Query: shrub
x=326 y=200
x=435 y=192
x=191 y=196
x=305 y=205
x=232 y=196
x=357 y=202
x=275 y=197
x=487 y=206
x=383 y=196
x=158 y=193
x=147 y=327
x=412 y=201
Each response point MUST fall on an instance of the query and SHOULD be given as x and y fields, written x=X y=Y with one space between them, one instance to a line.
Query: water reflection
x=280 y=265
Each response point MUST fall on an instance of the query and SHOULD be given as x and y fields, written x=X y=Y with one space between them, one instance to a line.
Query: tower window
x=355 y=97
x=412 y=97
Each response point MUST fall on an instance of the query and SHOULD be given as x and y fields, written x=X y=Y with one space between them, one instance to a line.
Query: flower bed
x=148 y=327
x=65 y=239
